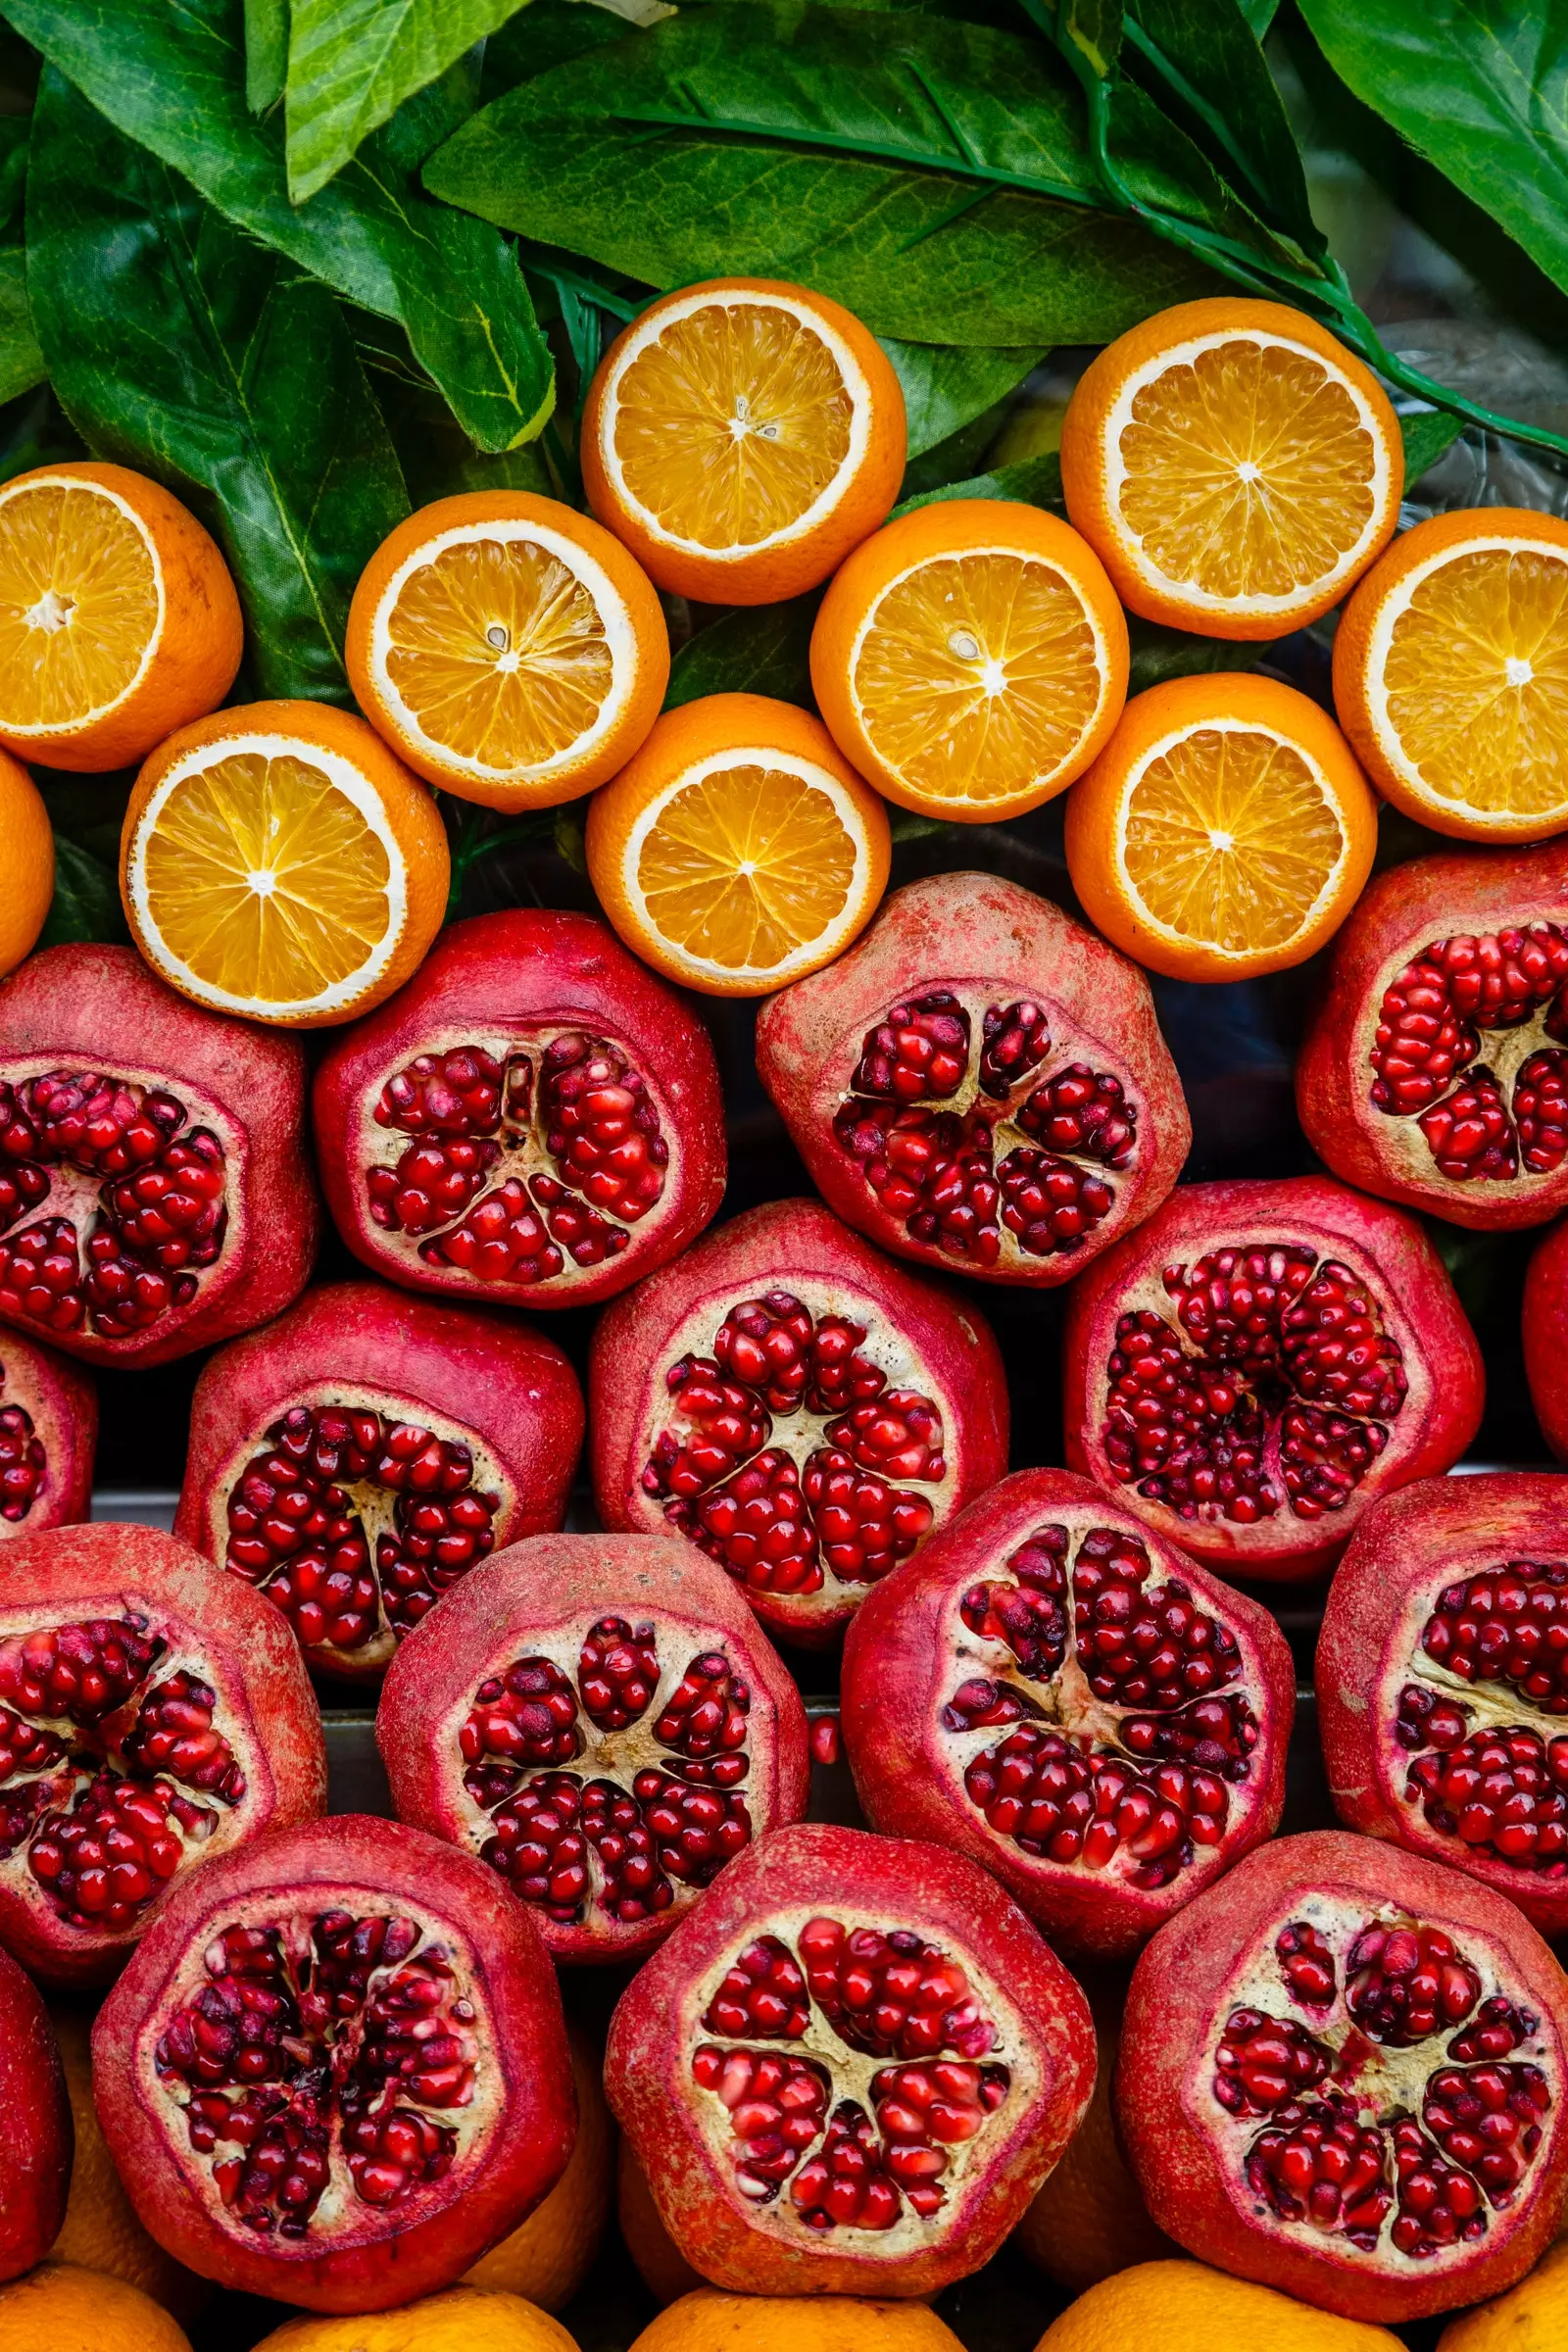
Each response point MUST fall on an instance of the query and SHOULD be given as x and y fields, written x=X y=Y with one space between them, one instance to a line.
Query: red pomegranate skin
x=40 y=2141
x=242 y=1752
x=76 y=1010
x=1484 y=1751
x=546 y=1601
x=465 y=1377
x=1081 y=1110
x=923 y=1352
x=48 y=1435
x=1317 y=1448
x=1020 y=2005
x=513 y=2128
x=1546 y=1337
x=1492 y=1155
x=933 y=1688
x=512 y=984
x=1219 y=1953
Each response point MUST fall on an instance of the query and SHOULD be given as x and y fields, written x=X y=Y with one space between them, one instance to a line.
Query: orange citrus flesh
x=1475 y=680
x=78 y=603
x=324 y=911
x=500 y=651
x=1230 y=839
x=1248 y=470
x=976 y=673
x=731 y=423
x=746 y=865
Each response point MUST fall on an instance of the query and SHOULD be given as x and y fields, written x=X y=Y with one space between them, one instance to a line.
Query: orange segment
x=80 y=605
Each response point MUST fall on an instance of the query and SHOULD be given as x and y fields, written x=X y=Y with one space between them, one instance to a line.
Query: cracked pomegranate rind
x=534 y=1121
x=36 y=2157
x=800 y=1410
x=1258 y=1363
x=1233 y=464
x=600 y=1719
x=849 y=2069
x=509 y=649
x=1451 y=673
x=337 y=2069
x=1442 y=1682
x=1074 y=1705
x=1343 y=2074
x=151 y=1717
x=48 y=1430
x=979 y=1083
x=1435 y=1069
x=358 y=1457
x=155 y=1189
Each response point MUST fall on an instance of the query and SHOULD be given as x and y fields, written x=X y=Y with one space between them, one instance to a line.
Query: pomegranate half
x=1343 y=2073
x=35 y=2155
x=849 y=2069
x=980 y=1083
x=1546 y=1337
x=155 y=1184
x=152 y=1716
x=1434 y=1070
x=798 y=1406
x=1258 y=1363
x=602 y=1719
x=1442 y=1682
x=1058 y=1692
x=337 y=2070
x=361 y=1454
x=48 y=1434
x=533 y=1120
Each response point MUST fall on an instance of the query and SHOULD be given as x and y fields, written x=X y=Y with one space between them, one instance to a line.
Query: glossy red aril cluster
x=1273 y=1389
x=22 y=1462
x=348 y=1520
x=111 y=1203
x=514 y=1166
x=654 y=1805
x=1430 y=1065
x=1016 y=1151
x=831 y=1493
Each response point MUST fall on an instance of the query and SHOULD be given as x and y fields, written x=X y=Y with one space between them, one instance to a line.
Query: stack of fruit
x=847 y=2062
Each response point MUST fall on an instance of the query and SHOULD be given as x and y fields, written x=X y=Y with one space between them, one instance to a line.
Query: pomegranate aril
x=931 y=1169
x=705 y=1720
x=846 y=2186
x=525 y=1717
x=1499 y=2027
x=80 y=1672
x=764 y=1994
x=1487 y=2119
x=919 y=1051
x=1439 y=2205
x=777 y=2104
x=1048 y=1203
x=1264 y=2064
x=1325 y=2168
x=617 y=1673
x=1038 y=1789
x=1469 y=1133
x=1504 y=1789
x=538 y=1845
x=1405 y=1983
x=122 y=1840
x=1031 y=1616
x=1138 y=1647
x=174 y=1733
x=1306 y=1964
x=755 y=1525
x=892 y=1994
x=1084 y=1113
x=1541 y=1113
x=458 y=1093
x=602 y=1129
x=502 y=1238
x=1014 y=1041
x=1510 y=1625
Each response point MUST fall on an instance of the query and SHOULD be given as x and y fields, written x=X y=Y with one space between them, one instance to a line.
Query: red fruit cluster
x=1426 y=1055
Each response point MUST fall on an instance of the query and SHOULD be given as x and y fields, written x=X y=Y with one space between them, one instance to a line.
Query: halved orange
x=27 y=862
x=1225 y=830
x=1233 y=465
x=508 y=648
x=1451 y=673
x=971 y=659
x=741 y=437
x=278 y=862
x=739 y=849
x=118 y=622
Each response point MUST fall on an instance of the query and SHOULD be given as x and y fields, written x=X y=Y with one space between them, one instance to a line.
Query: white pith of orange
x=66 y=603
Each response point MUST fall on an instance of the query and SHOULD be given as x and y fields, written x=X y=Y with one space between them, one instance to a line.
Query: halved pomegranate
x=798 y=1406
x=154 y=1187
x=849 y=2069
x=535 y=1120
x=979 y=1083
x=361 y=1453
x=48 y=1433
x=337 y=2070
x=1434 y=1070
x=35 y=2151
x=1442 y=1682
x=1259 y=1361
x=1343 y=2072
x=600 y=1719
x=152 y=1716
x=1546 y=1337
x=1056 y=1692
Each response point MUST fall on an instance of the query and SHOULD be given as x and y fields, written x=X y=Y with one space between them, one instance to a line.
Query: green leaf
x=1426 y=435
x=352 y=63
x=22 y=362
x=1204 y=64
x=546 y=35
x=1158 y=653
x=931 y=174
x=86 y=900
x=762 y=649
x=948 y=385
x=1035 y=481
x=266 y=53
x=15 y=130
x=1092 y=31
x=1480 y=88
x=180 y=347
x=1259 y=14
x=170 y=75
